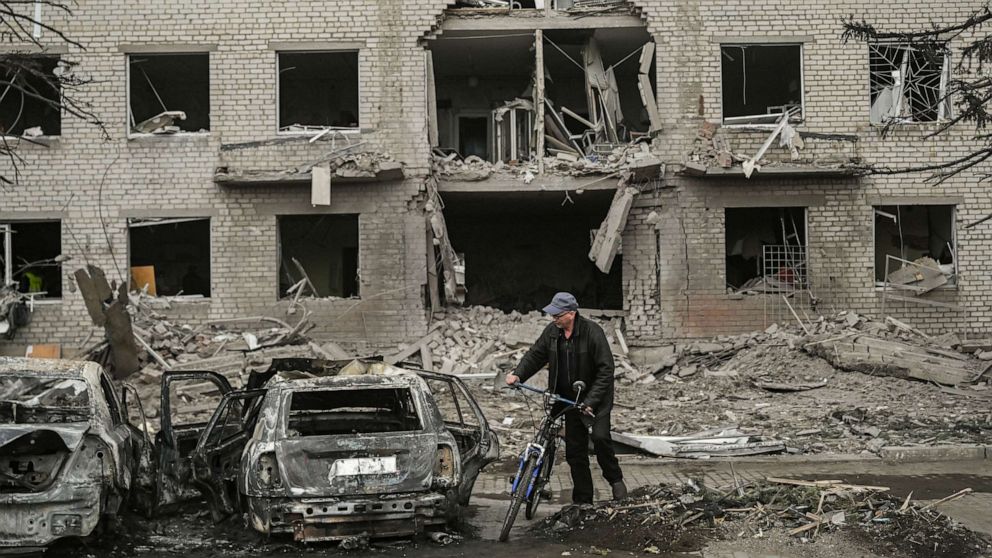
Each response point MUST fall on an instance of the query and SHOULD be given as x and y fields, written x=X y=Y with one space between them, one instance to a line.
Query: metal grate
x=786 y=284
x=907 y=84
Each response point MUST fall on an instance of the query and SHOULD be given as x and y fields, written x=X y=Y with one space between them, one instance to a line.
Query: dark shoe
x=619 y=490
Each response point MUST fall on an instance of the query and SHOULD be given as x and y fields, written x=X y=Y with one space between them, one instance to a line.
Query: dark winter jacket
x=594 y=364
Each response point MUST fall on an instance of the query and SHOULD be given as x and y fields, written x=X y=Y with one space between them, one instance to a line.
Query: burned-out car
x=68 y=455
x=329 y=450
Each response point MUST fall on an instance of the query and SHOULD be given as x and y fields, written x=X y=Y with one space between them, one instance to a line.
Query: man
x=575 y=349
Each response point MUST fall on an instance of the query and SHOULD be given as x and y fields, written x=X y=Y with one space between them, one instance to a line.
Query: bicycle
x=537 y=459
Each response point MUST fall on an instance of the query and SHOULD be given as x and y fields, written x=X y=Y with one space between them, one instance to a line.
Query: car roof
x=48 y=366
x=294 y=381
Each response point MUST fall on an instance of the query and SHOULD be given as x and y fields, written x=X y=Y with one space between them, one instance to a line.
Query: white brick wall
x=674 y=283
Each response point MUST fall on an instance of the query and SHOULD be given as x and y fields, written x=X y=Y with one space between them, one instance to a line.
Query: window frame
x=801 y=117
x=805 y=244
x=43 y=137
x=952 y=282
x=6 y=244
x=129 y=131
x=944 y=108
x=173 y=220
x=357 y=130
x=278 y=270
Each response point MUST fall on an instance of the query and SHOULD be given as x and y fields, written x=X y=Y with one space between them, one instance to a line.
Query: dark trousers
x=577 y=454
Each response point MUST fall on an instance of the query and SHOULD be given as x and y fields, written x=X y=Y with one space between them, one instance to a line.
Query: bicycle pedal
x=545 y=494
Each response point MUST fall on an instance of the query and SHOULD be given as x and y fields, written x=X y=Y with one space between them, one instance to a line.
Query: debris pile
x=601 y=160
x=774 y=391
x=663 y=518
x=232 y=348
x=712 y=151
x=484 y=341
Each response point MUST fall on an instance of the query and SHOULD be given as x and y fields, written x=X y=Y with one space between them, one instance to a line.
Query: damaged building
x=690 y=168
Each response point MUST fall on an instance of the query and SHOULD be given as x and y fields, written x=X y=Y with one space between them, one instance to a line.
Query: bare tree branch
x=31 y=77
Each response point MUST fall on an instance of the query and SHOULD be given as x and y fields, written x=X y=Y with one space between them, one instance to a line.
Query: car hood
x=71 y=433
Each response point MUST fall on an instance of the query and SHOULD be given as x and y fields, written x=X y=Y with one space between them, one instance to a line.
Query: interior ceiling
x=512 y=53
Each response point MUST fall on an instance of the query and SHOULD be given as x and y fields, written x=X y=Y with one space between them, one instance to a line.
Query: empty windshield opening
x=352 y=411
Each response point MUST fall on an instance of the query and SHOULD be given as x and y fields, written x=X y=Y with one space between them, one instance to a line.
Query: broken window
x=907 y=84
x=512 y=263
x=170 y=257
x=760 y=82
x=318 y=253
x=318 y=90
x=33 y=399
x=29 y=104
x=352 y=411
x=597 y=93
x=915 y=234
x=169 y=93
x=766 y=249
x=31 y=257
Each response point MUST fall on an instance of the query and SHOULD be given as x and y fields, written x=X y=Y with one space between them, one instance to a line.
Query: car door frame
x=220 y=488
x=173 y=471
x=487 y=448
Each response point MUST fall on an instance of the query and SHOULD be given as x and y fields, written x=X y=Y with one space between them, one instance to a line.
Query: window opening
x=352 y=411
x=169 y=93
x=318 y=90
x=32 y=260
x=29 y=104
x=170 y=257
x=907 y=84
x=765 y=249
x=915 y=234
x=318 y=253
x=760 y=82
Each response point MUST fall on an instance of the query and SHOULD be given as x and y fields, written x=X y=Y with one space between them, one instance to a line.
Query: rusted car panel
x=67 y=453
x=321 y=452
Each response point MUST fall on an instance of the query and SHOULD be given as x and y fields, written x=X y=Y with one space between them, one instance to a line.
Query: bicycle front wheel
x=518 y=497
x=543 y=479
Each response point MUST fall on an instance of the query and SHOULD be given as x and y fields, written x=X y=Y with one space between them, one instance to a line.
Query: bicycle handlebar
x=555 y=396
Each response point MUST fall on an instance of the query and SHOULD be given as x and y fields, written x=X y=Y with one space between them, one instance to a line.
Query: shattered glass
x=29 y=399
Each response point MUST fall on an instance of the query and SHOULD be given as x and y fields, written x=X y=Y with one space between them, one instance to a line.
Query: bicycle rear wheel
x=518 y=497
x=542 y=481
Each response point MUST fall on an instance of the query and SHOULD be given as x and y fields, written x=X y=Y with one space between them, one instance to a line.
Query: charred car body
x=329 y=450
x=68 y=455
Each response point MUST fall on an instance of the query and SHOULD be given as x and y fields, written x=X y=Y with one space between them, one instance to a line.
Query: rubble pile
x=232 y=348
x=604 y=159
x=777 y=390
x=667 y=518
x=489 y=342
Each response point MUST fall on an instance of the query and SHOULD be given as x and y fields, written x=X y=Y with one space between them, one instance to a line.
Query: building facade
x=317 y=139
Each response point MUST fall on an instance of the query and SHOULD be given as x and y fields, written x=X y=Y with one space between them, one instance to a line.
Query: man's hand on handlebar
x=586 y=410
x=512 y=379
